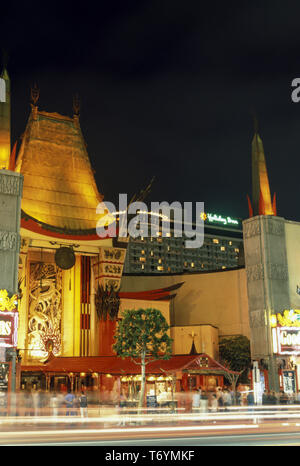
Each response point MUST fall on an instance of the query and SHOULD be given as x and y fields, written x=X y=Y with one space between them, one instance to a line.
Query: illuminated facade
x=271 y=246
x=63 y=263
x=71 y=283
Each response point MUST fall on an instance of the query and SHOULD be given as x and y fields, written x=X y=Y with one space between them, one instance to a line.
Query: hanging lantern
x=65 y=258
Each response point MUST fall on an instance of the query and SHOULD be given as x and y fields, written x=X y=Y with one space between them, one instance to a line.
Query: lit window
x=143 y=266
x=151 y=253
x=216 y=241
x=222 y=248
x=192 y=264
x=159 y=261
x=236 y=250
x=230 y=243
x=142 y=259
x=223 y=267
x=142 y=251
x=160 y=267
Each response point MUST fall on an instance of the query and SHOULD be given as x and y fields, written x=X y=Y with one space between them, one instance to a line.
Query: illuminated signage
x=8 y=328
x=289 y=318
x=8 y=319
x=219 y=219
x=2 y=91
x=288 y=340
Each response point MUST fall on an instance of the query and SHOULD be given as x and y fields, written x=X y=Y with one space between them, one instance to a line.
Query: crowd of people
x=40 y=402
x=200 y=400
x=223 y=398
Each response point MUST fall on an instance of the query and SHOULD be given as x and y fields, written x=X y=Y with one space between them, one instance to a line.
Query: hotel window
x=230 y=243
x=192 y=264
x=142 y=259
x=236 y=250
x=160 y=267
x=159 y=261
x=222 y=248
x=216 y=241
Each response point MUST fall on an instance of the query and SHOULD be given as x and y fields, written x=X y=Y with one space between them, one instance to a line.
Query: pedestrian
x=54 y=404
x=220 y=397
x=203 y=402
x=28 y=405
x=226 y=399
x=250 y=399
x=214 y=403
x=283 y=398
x=36 y=402
x=265 y=398
x=196 y=399
x=69 y=402
x=122 y=410
x=83 y=405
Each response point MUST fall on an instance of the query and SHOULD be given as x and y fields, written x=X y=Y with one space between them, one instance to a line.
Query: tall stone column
x=11 y=185
x=267 y=284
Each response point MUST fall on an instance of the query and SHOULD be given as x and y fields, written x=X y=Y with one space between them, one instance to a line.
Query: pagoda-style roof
x=199 y=364
x=59 y=186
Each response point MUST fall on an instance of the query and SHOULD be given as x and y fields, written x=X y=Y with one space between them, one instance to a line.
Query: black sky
x=167 y=88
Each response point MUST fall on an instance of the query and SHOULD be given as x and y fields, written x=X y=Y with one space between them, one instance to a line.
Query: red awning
x=201 y=363
x=152 y=295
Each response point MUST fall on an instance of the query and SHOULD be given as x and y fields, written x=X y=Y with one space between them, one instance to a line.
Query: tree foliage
x=235 y=353
x=142 y=336
x=143 y=332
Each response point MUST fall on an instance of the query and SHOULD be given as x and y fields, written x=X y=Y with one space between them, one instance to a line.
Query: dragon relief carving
x=44 y=314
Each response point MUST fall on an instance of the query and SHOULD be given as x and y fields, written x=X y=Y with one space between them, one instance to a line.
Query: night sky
x=167 y=89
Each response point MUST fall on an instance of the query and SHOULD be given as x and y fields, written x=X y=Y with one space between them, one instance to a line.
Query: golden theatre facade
x=63 y=262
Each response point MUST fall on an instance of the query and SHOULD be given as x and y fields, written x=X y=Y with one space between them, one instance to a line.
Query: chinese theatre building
x=63 y=263
x=69 y=278
x=72 y=289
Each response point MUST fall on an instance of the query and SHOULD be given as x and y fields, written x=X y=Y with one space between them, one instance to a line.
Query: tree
x=235 y=353
x=142 y=336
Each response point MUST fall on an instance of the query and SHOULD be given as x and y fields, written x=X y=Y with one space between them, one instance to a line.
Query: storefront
x=286 y=347
x=110 y=378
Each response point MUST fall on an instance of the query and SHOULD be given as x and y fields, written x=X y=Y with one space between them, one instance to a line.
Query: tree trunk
x=143 y=381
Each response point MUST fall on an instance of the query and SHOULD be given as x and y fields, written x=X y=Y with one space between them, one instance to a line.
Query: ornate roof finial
x=35 y=94
x=76 y=104
x=4 y=55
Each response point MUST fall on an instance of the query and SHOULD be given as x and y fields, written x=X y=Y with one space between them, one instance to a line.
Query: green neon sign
x=219 y=219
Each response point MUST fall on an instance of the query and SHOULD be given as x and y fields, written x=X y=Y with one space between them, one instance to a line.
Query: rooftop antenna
x=76 y=104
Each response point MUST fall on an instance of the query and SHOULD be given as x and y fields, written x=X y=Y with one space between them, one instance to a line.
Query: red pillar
x=107 y=330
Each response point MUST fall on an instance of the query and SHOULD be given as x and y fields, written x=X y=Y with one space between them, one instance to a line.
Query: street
x=280 y=427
